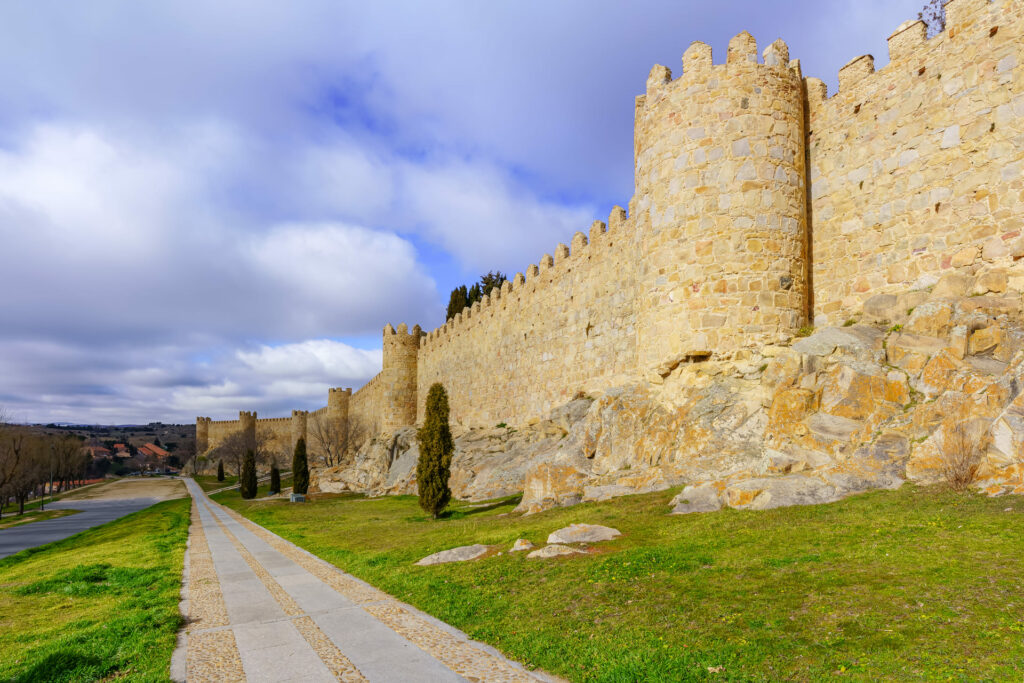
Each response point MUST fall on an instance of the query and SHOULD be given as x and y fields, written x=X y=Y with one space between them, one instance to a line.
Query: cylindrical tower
x=247 y=425
x=337 y=415
x=720 y=204
x=202 y=435
x=401 y=349
x=300 y=420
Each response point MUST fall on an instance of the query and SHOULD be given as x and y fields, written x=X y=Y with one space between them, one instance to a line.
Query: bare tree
x=963 y=448
x=12 y=450
x=329 y=438
x=233 y=447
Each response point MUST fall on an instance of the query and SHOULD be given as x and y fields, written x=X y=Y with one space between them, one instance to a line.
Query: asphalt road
x=93 y=513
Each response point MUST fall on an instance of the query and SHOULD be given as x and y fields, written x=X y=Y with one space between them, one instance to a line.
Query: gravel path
x=261 y=609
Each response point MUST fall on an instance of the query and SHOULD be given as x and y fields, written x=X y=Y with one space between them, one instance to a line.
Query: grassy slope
x=208 y=482
x=103 y=603
x=911 y=584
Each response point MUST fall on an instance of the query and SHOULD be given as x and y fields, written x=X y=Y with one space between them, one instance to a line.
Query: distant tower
x=299 y=424
x=337 y=413
x=399 y=376
x=247 y=425
x=202 y=435
x=720 y=205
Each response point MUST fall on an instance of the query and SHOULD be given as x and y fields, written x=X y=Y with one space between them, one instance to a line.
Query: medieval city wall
x=366 y=409
x=916 y=169
x=567 y=326
x=761 y=205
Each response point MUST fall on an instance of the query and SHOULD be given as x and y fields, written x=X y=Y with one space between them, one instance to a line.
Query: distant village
x=155 y=448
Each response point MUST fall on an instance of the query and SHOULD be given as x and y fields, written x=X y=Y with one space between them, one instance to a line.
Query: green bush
x=300 y=468
x=220 y=470
x=275 y=480
x=436 y=448
x=247 y=482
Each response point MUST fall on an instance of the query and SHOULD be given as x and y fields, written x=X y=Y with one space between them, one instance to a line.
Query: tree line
x=464 y=297
x=30 y=459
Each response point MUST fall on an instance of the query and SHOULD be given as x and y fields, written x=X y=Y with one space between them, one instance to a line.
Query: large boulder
x=460 y=554
x=549 y=551
x=583 y=533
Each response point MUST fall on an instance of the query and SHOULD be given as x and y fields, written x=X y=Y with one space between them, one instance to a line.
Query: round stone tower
x=337 y=413
x=720 y=205
x=202 y=434
x=247 y=425
x=299 y=426
x=401 y=349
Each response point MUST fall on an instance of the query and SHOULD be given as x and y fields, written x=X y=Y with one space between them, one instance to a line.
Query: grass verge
x=913 y=584
x=208 y=482
x=100 y=605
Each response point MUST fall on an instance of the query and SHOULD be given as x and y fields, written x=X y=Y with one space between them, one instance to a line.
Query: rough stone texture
x=916 y=169
x=460 y=554
x=555 y=551
x=701 y=498
x=520 y=545
x=583 y=533
x=901 y=196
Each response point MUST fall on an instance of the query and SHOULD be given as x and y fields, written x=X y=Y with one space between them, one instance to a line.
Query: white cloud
x=195 y=198
x=317 y=359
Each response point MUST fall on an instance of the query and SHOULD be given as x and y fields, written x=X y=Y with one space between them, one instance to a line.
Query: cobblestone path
x=261 y=609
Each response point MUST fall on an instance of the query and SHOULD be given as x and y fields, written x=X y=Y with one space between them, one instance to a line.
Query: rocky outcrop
x=846 y=409
x=555 y=550
x=461 y=554
x=583 y=533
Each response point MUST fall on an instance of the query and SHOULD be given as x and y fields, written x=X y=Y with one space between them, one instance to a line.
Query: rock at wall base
x=555 y=551
x=583 y=533
x=460 y=554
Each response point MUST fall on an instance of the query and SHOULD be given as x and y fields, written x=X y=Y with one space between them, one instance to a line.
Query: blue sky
x=208 y=207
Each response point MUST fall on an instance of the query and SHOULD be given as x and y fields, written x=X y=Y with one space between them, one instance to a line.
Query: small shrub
x=220 y=470
x=275 y=480
x=850 y=322
x=805 y=331
x=436 y=448
x=501 y=425
x=247 y=482
x=896 y=328
x=300 y=468
x=962 y=451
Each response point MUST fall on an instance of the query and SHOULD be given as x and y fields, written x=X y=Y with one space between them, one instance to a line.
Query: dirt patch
x=162 y=489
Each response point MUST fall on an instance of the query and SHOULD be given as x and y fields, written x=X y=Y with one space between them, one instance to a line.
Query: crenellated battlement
x=761 y=204
x=533 y=282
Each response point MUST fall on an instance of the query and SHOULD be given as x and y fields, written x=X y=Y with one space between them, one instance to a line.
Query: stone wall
x=916 y=169
x=567 y=325
x=720 y=205
x=366 y=410
x=760 y=205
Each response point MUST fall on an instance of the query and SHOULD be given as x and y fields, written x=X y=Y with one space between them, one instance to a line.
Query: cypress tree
x=436 y=449
x=247 y=482
x=300 y=469
x=220 y=470
x=275 y=480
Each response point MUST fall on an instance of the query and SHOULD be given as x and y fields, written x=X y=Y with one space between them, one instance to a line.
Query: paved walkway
x=262 y=609
x=93 y=513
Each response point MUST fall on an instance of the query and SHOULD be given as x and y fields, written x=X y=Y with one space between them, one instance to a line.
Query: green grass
x=208 y=482
x=914 y=584
x=33 y=516
x=100 y=605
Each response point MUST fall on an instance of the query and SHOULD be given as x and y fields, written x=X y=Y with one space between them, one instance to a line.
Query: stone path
x=261 y=609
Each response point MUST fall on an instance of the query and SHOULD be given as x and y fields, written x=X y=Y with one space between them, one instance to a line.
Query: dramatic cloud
x=207 y=207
